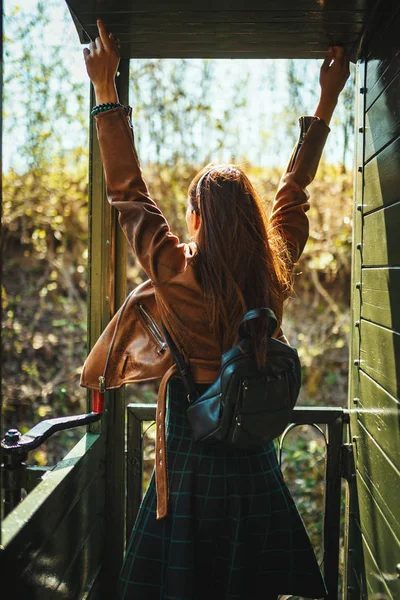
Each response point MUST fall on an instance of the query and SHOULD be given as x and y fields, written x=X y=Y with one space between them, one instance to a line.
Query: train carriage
x=66 y=538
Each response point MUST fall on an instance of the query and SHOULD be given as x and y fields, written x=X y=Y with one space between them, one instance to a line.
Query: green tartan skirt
x=233 y=531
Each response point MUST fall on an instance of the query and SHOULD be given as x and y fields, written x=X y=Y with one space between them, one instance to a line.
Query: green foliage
x=44 y=293
x=43 y=101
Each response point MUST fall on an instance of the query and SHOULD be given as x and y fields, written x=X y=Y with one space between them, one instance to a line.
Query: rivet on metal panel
x=358 y=246
x=354 y=438
x=356 y=401
x=107 y=242
x=359 y=207
x=360 y=169
x=398 y=570
x=362 y=90
x=357 y=324
x=358 y=285
x=356 y=362
x=107 y=300
x=361 y=130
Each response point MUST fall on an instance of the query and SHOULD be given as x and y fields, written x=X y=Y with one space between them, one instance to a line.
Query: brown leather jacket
x=132 y=348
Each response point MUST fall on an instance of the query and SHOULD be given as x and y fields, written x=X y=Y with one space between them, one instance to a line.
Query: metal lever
x=15 y=448
x=14 y=442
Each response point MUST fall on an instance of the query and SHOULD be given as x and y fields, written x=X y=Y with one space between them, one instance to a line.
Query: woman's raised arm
x=292 y=199
x=158 y=250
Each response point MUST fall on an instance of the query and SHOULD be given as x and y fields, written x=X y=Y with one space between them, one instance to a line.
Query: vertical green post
x=115 y=449
x=352 y=540
x=107 y=290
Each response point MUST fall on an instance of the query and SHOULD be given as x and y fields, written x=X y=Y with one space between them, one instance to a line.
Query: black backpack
x=245 y=407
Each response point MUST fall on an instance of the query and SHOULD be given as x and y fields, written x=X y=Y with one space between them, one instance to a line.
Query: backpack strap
x=183 y=368
x=256 y=313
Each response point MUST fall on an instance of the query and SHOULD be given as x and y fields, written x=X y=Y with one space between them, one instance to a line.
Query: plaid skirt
x=233 y=531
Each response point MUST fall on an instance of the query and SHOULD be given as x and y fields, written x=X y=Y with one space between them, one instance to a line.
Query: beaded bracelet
x=106 y=106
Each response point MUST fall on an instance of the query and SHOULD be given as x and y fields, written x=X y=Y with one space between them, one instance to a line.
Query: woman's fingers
x=103 y=34
x=334 y=72
x=102 y=59
x=340 y=55
x=326 y=63
x=99 y=44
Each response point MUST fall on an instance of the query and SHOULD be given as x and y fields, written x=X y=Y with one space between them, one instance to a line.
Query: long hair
x=240 y=263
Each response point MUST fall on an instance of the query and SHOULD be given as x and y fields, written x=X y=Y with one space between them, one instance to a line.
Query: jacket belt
x=201 y=374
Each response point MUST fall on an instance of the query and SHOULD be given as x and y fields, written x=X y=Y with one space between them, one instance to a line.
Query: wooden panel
x=383 y=543
x=381 y=237
x=191 y=31
x=374 y=425
x=382 y=178
x=34 y=548
x=375 y=583
x=128 y=6
x=202 y=17
x=232 y=50
x=380 y=355
x=384 y=56
x=358 y=176
x=301 y=29
x=381 y=297
x=383 y=72
x=379 y=413
x=107 y=295
x=383 y=119
x=377 y=469
x=88 y=557
x=58 y=554
x=244 y=35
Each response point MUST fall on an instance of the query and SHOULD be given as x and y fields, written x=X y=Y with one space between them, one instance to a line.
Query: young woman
x=215 y=523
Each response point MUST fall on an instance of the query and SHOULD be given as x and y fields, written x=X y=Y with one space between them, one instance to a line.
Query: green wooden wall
x=375 y=349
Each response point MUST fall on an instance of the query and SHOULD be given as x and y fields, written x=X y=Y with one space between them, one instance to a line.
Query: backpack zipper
x=239 y=403
x=235 y=358
x=152 y=327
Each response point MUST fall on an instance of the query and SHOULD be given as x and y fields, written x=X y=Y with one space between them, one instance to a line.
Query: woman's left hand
x=102 y=60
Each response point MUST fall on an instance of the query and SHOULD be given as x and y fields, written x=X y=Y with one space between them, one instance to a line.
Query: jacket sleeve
x=158 y=250
x=291 y=200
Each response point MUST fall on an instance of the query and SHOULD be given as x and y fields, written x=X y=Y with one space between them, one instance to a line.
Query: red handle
x=97 y=401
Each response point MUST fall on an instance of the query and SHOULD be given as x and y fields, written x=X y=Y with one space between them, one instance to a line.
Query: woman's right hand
x=332 y=77
x=332 y=80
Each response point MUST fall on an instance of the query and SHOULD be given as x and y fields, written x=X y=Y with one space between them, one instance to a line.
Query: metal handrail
x=16 y=447
x=336 y=467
